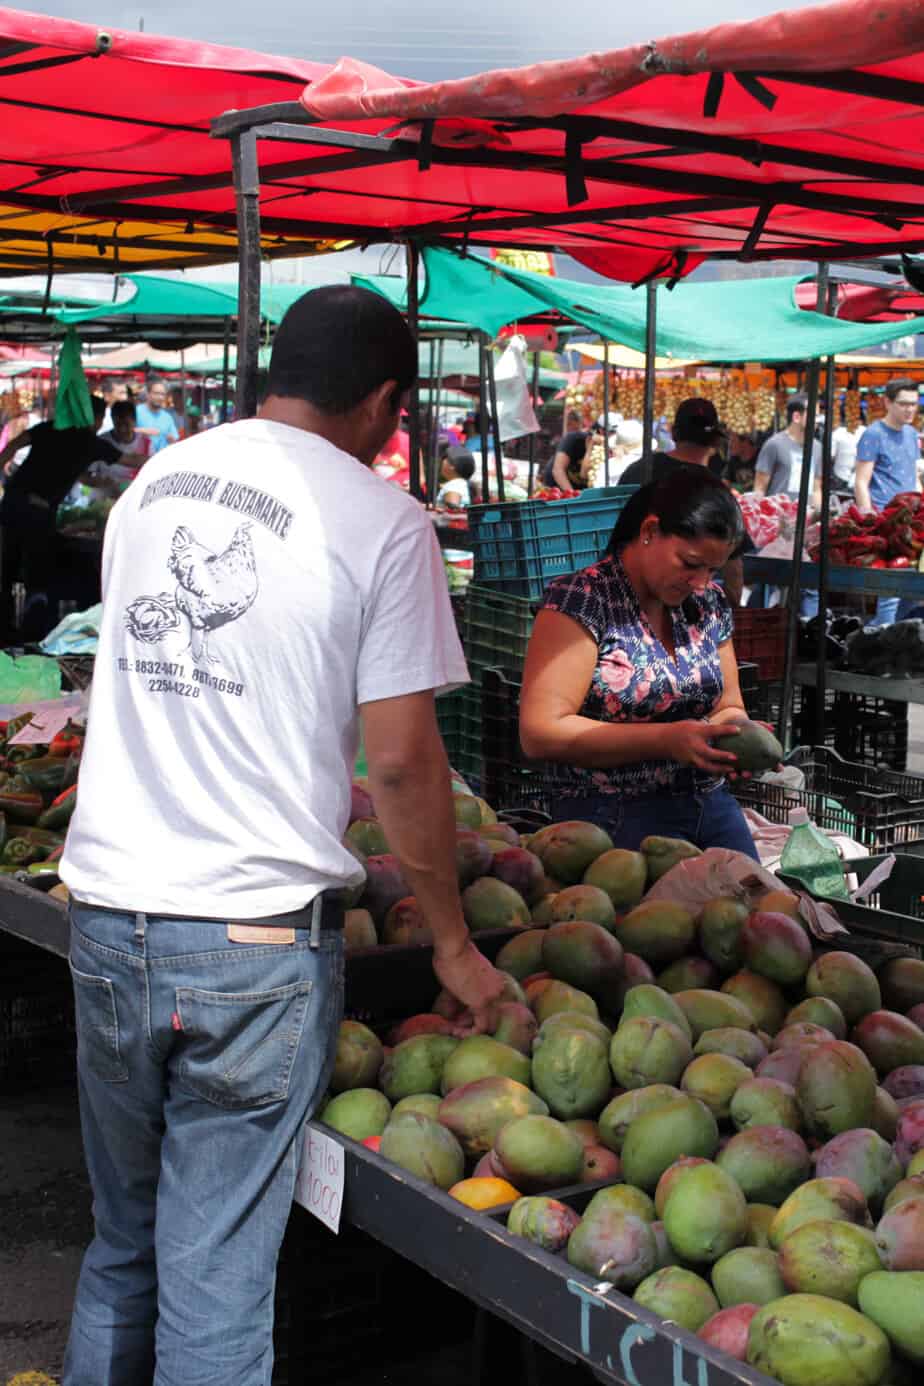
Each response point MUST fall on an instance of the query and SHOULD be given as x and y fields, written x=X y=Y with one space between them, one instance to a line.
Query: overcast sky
x=427 y=39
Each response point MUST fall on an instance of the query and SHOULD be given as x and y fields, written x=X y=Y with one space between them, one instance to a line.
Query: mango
x=582 y=954
x=559 y=996
x=671 y=1177
x=720 y=925
x=622 y=876
x=475 y=1112
x=663 y=853
x=783 y=1065
x=776 y=947
x=737 y=1044
x=626 y=1198
x=358 y=1058
x=539 y=1153
x=406 y=925
x=424 y=1148
x=889 y=1041
x=521 y=955
x=912 y=1187
x=779 y=902
x=755 y=747
x=368 y=835
x=654 y=1141
x=765 y=1102
x=706 y=1215
x=479 y=1056
x=652 y=1001
x=767 y=1162
x=905 y=1081
x=520 y=870
x=358 y=1113
x=728 y=1330
x=385 y=886
x=425 y=1103
x=714 y=1079
x=900 y=1236
x=491 y=904
x=836 y=1089
x=802 y=1034
x=543 y=1220
x=818 y=1010
x=828 y=1200
x=542 y=913
x=895 y=1303
x=499 y=832
x=760 y=1218
x=760 y=996
x=359 y=930
x=811 y=1340
x=587 y=902
x=577 y=1020
x=678 y=1295
x=713 y=1010
x=863 y=1157
x=647 y=1050
x=600 y=1163
x=474 y=856
x=884 y=1119
x=658 y=931
x=828 y=1258
x=688 y=974
x=747 y=1275
x=566 y=850
x=617 y=1116
x=614 y=1246
x=909 y=1135
x=571 y=1072
x=846 y=980
x=902 y=984
x=516 y=1026
x=416 y=1065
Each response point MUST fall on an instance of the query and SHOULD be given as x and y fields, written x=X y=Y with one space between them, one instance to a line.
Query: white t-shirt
x=457 y=488
x=844 y=452
x=258 y=585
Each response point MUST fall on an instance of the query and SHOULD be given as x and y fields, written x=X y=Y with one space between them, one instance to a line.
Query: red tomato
x=373 y=1142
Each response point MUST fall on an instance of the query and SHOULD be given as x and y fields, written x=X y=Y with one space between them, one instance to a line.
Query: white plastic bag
x=515 y=412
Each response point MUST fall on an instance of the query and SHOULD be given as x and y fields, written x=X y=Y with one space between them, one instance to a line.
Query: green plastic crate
x=496 y=630
x=458 y=716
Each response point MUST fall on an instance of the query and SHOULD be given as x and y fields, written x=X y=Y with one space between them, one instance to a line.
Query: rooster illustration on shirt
x=212 y=589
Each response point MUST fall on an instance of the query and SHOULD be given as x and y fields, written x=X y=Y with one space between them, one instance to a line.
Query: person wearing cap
x=566 y=470
x=457 y=467
x=697 y=433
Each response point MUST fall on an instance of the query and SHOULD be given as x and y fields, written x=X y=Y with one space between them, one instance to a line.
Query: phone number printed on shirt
x=175 y=673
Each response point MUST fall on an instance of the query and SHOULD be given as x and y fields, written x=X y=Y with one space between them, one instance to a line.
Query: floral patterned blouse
x=636 y=678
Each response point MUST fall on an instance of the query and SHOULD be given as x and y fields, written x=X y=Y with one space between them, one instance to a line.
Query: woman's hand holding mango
x=691 y=743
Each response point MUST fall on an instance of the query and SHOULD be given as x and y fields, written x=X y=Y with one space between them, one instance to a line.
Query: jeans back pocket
x=238 y=1048
x=98 y=1027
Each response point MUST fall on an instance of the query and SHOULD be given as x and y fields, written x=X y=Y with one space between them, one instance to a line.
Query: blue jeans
x=892 y=609
x=707 y=817
x=198 y=1062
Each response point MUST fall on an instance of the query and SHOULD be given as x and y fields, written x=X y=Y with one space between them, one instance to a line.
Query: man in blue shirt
x=154 y=418
x=888 y=455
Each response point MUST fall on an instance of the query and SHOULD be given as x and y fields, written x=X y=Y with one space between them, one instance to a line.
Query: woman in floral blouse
x=631 y=681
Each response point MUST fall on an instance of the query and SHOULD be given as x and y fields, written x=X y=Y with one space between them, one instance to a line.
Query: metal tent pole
x=827 y=304
x=430 y=450
x=651 y=337
x=433 y=476
x=533 y=436
x=483 y=420
x=413 y=408
x=805 y=482
x=247 y=194
x=606 y=413
x=225 y=372
x=495 y=420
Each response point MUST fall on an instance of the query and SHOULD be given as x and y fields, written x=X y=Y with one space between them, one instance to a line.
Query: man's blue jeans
x=198 y=1062
x=892 y=609
x=709 y=817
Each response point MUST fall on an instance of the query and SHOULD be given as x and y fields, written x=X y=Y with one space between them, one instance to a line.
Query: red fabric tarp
x=868 y=302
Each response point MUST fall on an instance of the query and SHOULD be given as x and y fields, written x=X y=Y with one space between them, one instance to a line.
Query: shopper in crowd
x=697 y=433
x=265 y=593
x=457 y=467
x=567 y=469
x=844 y=442
x=155 y=419
x=631 y=682
x=779 y=463
x=742 y=457
x=57 y=458
x=888 y=457
x=125 y=435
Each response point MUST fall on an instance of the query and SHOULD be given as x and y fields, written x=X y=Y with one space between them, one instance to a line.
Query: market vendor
x=631 y=682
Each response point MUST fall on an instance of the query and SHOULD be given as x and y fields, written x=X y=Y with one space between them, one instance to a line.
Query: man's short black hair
x=124 y=409
x=796 y=404
x=153 y=380
x=336 y=345
x=462 y=462
x=894 y=387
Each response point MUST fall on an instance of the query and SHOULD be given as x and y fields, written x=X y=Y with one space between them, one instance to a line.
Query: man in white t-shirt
x=844 y=442
x=263 y=593
x=457 y=467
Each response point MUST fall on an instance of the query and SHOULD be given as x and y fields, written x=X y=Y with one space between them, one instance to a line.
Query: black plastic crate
x=894 y=912
x=511 y=780
x=37 y=1032
x=868 y=731
x=880 y=807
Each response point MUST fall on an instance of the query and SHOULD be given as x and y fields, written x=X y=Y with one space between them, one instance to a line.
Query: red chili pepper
x=897 y=563
x=876 y=563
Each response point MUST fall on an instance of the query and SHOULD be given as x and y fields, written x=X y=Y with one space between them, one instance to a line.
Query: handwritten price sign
x=319 y=1186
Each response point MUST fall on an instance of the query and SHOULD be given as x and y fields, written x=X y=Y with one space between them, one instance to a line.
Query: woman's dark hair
x=691 y=503
x=336 y=345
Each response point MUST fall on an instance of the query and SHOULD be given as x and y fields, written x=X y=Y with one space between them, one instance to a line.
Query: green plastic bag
x=28 y=679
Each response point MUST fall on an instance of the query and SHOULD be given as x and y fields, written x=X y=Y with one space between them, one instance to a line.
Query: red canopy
x=868 y=302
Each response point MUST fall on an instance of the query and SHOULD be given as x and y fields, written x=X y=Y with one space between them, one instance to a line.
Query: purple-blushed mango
x=713 y=1010
x=405 y=925
x=358 y=1113
x=706 y=1215
x=884 y=1120
x=415 y=1066
x=907 y=1081
x=658 y=931
x=358 y=1058
x=747 y=1275
x=539 y=1153
x=474 y=856
x=582 y=954
x=635 y=972
x=902 y=984
x=648 y=1050
x=737 y=1044
x=863 y=1157
x=767 y=1162
x=760 y=996
x=655 y=1141
x=728 y=1330
x=516 y=1026
x=385 y=886
x=900 y=1236
x=688 y=974
x=665 y=1250
x=476 y=1112
x=765 y=1102
x=600 y=1163
x=621 y=875
x=776 y=947
x=818 y=1010
x=894 y=1300
x=368 y=835
x=617 y=1116
x=587 y=1131
x=543 y=1220
x=846 y=980
x=587 y=902
x=720 y=925
x=499 y=832
x=521 y=955
x=782 y=1065
x=889 y=1041
x=491 y=904
x=614 y=1245
x=836 y=1089
x=829 y=1258
x=839 y=1199
x=427 y=1023
x=803 y=1034
x=566 y=850
x=909 y=1136
x=360 y=803
x=679 y=1295
x=912 y=1187
x=424 y=1148
x=810 y=1340
x=350 y=896
x=520 y=870
x=714 y=1079
x=916 y=1014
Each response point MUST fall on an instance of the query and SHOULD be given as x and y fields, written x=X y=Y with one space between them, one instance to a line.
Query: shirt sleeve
x=574 y=446
x=867 y=448
x=577 y=596
x=722 y=614
x=409 y=641
x=766 y=458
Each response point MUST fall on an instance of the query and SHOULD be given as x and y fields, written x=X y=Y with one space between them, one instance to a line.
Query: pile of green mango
x=38 y=792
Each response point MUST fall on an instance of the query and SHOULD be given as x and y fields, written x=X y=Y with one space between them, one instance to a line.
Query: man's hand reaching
x=476 y=985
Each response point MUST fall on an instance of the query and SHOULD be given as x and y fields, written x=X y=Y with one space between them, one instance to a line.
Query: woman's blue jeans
x=707 y=817
x=198 y=1060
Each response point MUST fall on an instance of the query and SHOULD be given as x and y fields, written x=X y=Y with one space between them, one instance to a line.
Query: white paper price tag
x=319 y=1186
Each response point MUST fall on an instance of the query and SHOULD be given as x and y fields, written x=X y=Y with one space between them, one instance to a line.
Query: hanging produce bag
x=514 y=407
